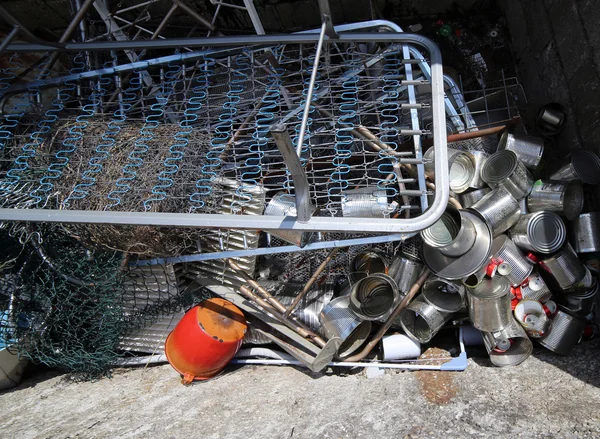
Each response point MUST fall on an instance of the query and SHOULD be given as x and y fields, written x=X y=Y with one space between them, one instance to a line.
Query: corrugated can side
x=565 y=332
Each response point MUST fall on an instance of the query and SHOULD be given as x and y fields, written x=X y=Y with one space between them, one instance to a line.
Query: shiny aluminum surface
x=529 y=149
x=543 y=232
x=504 y=250
x=283 y=204
x=338 y=320
x=489 y=304
x=444 y=295
x=581 y=165
x=467 y=199
x=564 y=198
x=480 y=158
x=365 y=202
x=585 y=233
x=453 y=234
x=515 y=338
x=405 y=272
x=499 y=209
x=565 y=267
x=503 y=169
x=461 y=165
x=374 y=297
x=535 y=288
x=421 y=321
x=565 y=332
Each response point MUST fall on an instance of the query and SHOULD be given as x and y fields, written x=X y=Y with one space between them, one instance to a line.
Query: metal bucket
x=499 y=209
x=283 y=204
x=453 y=234
x=367 y=263
x=532 y=317
x=565 y=332
x=565 y=198
x=405 y=272
x=529 y=149
x=503 y=169
x=421 y=321
x=585 y=233
x=444 y=295
x=542 y=232
x=489 y=304
x=338 y=320
x=508 y=347
x=582 y=165
x=461 y=165
x=480 y=158
x=467 y=199
x=565 y=267
x=583 y=304
x=374 y=297
x=504 y=250
x=366 y=202
x=534 y=288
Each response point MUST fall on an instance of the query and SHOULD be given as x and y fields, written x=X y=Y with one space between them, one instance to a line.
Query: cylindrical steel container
x=581 y=165
x=565 y=332
x=534 y=288
x=283 y=204
x=365 y=202
x=206 y=338
x=480 y=158
x=523 y=206
x=499 y=209
x=508 y=347
x=421 y=321
x=503 y=169
x=565 y=267
x=374 y=297
x=550 y=119
x=467 y=199
x=338 y=320
x=565 y=198
x=585 y=233
x=453 y=234
x=405 y=272
x=367 y=263
x=489 y=304
x=504 y=250
x=399 y=347
x=529 y=149
x=461 y=166
x=583 y=304
x=444 y=295
x=542 y=232
x=532 y=317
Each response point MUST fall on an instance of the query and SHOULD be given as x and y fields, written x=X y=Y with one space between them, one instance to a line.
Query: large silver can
x=338 y=320
x=503 y=169
x=467 y=199
x=565 y=267
x=581 y=165
x=585 y=233
x=489 y=304
x=461 y=166
x=542 y=232
x=564 y=198
x=529 y=149
x=453 y=234
x=421 y=321
x=499 y=209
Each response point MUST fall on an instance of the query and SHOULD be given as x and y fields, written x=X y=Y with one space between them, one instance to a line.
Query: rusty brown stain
x=438 y=387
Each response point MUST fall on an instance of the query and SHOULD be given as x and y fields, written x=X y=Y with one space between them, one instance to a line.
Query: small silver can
x=461 y=168
x=565 y=332
x=565 y=268
x=444 y=295
x=374 y=297
x=585 y=233
x=480 y=159
x=542 y=232
x=499 y=209
x=564 y=198
x=489 y=304
x=503 y=169
x=405 y=273
x=506 y=251
x=509 y=346
x=529 y=149
x=338 y=320
x=581 y=165
x=421 y=321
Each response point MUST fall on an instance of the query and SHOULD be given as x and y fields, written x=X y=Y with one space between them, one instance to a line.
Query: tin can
x=374 y=297
x=444 y=295
x=565 y=267
x=503 y=169
x=542 y=232
x=467 y=199
x=585 y=233
x=405 y=273
x=338 y=320
x=581 y=165
x=532 y=317
x=534 y=288
x=584 y=303
x=529 y=149
x=283 y=204
x=421 y=321
x=564 y=198
x=366 y=202
x=461 y=166
x=480 y=158
x=367 y=263
x=453 y=234
x=499 y=209
x=504 y=250
x=565 y=332
x=489 y=304
x=508 y=347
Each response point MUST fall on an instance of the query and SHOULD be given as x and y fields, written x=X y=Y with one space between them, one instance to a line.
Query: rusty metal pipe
x=393 y=316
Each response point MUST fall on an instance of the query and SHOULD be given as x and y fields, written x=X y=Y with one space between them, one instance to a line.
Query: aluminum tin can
x=542 y=232
x=508 y=347
x=564 y=198
x=405 y=273
x=338 y=320
x=499 y=209
x=453 y=234
x=529 y=149
x=583 y=304
x=480 y=158
x=503 y=169
x=365 y=202
x=585 y=233
x=444 y=295
x=504 y=250
x=283 y=204
x=581 y=165
x=534 y=288
x=467 y=199
x=565 y=267
x=374 y=297
x=565 y=332
x=421 y=321
x=461 y=168
x=489 y=304
x=367 y=263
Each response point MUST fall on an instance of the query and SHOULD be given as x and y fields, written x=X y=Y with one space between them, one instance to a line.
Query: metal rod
x=6 y=41
x=393 y=316
x=310 y=282
x=203 y=21
x=163 y=22
x=139 y=5
x=292 y=160
x=258 y=27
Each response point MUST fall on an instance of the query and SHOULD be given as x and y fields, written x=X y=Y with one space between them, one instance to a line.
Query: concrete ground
x=546 y=397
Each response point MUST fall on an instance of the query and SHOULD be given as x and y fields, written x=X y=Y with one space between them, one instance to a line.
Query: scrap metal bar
x=258 y=27
x=6 y=41
x=203 y=21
